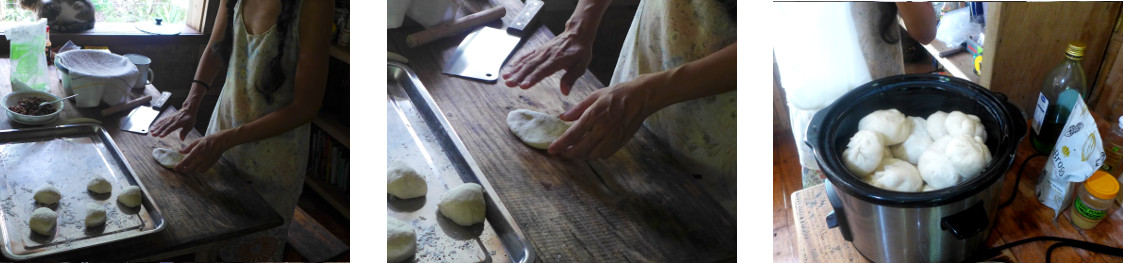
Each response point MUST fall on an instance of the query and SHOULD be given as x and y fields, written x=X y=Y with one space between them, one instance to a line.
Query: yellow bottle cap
x=1102 y=185
x=1075 y=50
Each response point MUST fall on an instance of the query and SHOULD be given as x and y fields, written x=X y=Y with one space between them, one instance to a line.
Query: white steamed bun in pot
x=917 y=142
x=936 y=127
x=897 y=175
x=959 y=123
x=889 y=123
x=951 y=160
x=864 y=153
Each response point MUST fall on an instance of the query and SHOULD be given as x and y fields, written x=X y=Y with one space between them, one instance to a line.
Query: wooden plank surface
x=198 y=208
x=1108 y=91
x=1024 y=218
x=634 y=206
x=1029 y=39
x=786 y=179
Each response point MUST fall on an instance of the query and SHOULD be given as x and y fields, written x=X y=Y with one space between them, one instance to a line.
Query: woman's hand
x=183 y=120
x=569 y=51
x=608 y=118
x=202 y=154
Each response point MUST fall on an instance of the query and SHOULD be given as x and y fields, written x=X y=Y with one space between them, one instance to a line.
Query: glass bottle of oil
x=1061 y=89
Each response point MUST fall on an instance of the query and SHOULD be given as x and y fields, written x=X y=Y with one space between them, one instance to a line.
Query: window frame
x=197 y=26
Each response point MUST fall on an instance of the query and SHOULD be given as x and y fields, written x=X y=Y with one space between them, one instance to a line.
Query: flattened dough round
x=95 y=215
x=130 y=196
x=404 y=182
x=47 y=194
x=42 y=220
x=167 y=157
x=99 y=185
x=534 y=128
x=463 y=204
x=401 y=241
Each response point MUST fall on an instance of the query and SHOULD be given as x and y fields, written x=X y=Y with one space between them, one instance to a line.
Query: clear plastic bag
x=28 y=58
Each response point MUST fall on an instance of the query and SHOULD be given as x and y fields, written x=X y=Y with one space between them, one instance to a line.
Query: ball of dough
x=934 y=166
x=968 y=155
x=936 y=123
x=95 y=215
x=42 y=220
x=401 y=241
x=130 y=196
x=463 y=204
x=47 y=194
x=99 y=185
x=167 y=157
x=864 y=153
x=914 y=146
x=534 y=128
x=952 y=160
x=889 y=123
x=404 y=182
x=897 y=175
x=958 y=123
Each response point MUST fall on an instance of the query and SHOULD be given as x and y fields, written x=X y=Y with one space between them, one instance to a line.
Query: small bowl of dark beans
x=23 y=107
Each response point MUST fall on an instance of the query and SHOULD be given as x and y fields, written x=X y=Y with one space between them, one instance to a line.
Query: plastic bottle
x=1058 y=94
x=1093 y=200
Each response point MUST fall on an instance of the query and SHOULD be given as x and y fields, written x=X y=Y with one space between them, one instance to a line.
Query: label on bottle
x=1090 y=213
x=1039 y=112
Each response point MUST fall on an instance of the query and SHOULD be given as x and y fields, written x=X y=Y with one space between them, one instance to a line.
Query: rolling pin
x=456 y=26
x=125 y=106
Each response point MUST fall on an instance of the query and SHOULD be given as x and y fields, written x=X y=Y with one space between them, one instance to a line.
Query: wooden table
x=634 y=206
x=1024 y=218
x=199 y=209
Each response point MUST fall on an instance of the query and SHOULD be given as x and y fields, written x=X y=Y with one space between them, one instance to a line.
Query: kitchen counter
x=199 y=209
x=636 y=205
x=1024 y=218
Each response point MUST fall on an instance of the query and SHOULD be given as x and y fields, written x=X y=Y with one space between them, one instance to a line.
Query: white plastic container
x=432 y=12
x=396 y=12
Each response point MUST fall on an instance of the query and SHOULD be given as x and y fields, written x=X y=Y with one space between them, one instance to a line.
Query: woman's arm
x=920 y=19
x=209 y=65
x=609 y=117
x=308 y=93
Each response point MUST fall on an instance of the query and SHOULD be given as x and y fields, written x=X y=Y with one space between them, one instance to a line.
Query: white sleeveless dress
x=275 y=166
x=701 y=134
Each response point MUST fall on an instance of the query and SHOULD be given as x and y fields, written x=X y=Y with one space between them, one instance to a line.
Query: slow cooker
x=946 y=225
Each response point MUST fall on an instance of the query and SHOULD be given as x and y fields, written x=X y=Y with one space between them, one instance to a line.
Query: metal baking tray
x=67 y=157
x=419 y=135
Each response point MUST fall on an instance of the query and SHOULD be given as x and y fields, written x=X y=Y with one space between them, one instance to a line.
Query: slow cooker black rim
x=1002 y=159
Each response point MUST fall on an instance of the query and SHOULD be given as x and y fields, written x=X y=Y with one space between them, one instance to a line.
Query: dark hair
x=887 y=23
x=730 y=8
x=276 y=74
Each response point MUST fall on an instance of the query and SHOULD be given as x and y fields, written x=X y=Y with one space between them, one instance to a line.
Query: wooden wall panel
x=1108 y=90
x=1030 y=39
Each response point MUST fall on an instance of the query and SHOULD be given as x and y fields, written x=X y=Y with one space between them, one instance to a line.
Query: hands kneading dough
x=42 y=220
x=130 y=196
x=534 y=128
x=167 y=157
x=463 y=204
x=401 y=241
x=404 y=182
x=47 y=194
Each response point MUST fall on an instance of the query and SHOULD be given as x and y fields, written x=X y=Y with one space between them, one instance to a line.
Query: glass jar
x=1093 y=200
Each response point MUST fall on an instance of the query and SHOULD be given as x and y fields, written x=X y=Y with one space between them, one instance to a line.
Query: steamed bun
x=864 y=153
x=936 y=127
x=951 y=160
x=917 y=142
x=897 y=175
x=959 y=123
x=889 y=123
